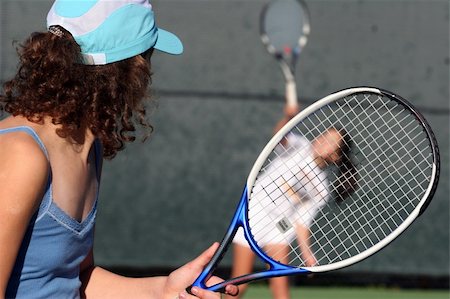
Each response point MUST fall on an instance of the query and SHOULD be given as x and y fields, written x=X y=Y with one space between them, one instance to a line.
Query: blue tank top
x=48 y=263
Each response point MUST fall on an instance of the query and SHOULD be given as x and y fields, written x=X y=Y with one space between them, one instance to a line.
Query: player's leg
x=279 y=286
x=243 y=259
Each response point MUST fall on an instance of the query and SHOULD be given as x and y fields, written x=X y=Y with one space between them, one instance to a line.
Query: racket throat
x=236 y=223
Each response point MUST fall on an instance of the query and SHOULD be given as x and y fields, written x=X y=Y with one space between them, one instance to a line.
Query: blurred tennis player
x=309 y=190
x=77 y=98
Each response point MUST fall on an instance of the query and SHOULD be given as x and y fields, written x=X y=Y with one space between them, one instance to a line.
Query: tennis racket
x=395 y=173
x=284 y=29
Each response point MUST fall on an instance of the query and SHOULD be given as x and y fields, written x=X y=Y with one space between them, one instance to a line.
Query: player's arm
x=291 y=193
x=288 y=113
x=100 y=283
x=303 y=233
x=23 y=177
x=304 y=237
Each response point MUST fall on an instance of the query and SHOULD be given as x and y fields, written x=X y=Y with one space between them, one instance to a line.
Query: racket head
x=284 y=28
x=395 y=175
x=396 y=172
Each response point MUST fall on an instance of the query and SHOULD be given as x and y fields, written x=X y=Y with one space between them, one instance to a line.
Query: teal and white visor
x=112 y=30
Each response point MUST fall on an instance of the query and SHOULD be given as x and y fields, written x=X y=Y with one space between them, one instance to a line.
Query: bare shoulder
x=23 y=172
x=21 y=146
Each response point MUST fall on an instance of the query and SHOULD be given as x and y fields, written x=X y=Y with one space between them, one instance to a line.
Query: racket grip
x=215 y=260
x=188 y=290
x=291 y=93
x=219 y=290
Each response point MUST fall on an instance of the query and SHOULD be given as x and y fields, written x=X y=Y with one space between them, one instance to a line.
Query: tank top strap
x=30 y=132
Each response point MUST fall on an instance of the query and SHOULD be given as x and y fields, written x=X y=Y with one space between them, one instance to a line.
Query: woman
x=299 y=172
x=77 y=98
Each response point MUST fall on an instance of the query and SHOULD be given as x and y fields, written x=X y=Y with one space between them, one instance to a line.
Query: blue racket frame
x=240 y=219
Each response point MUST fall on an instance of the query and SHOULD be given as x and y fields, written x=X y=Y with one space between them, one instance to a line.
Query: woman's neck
x=79 y=144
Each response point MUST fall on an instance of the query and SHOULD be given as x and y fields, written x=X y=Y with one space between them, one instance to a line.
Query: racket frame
x=240 y=218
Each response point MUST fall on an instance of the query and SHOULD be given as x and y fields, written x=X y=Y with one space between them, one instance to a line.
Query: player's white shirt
x=273 y=214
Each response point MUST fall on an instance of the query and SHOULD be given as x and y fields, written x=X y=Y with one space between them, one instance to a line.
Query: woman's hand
x=183 y=277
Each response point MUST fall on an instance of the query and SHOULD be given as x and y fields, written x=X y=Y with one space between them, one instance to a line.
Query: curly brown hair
x=107 y=99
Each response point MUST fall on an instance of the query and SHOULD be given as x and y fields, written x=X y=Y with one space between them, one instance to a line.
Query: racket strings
x=307 y=211
x=269 y=192
x=342 y=226
x=388 y=190
x=277 y=175
x=364 y=224
x=366 y=220
x=372 y=215
x=300 y=216
x=386 y=149
x=272 y=189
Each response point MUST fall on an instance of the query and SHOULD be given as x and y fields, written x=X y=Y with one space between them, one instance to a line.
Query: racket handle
x=291 y=94
x=215 y=260
x=218 y=290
